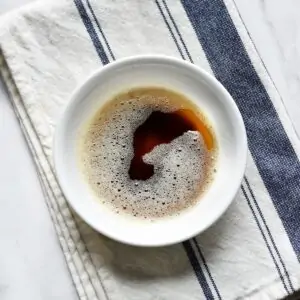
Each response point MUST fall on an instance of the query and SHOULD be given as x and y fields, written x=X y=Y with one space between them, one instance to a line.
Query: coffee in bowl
x=149 y=152
x=136 y=148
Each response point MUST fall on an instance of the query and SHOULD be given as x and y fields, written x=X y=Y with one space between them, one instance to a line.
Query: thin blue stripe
x=91 y=31
x=202 y=280
x=207 y=268
x=178 y=32
x=100 y=29
x=270 y=147
x=191 y=60
x=187 y=246
x=269 y=232
x=265 y=239
x=199 y=273
x=170 y=30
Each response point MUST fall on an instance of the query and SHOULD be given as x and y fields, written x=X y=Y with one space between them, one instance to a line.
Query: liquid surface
x=149 y=153
x=163 y=128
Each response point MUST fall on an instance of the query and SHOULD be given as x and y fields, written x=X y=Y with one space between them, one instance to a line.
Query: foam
x=181 y=168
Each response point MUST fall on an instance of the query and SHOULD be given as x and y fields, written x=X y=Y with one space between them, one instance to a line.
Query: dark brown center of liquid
x=162 y=128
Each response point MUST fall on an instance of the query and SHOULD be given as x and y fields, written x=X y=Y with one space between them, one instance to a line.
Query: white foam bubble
x=180 y=167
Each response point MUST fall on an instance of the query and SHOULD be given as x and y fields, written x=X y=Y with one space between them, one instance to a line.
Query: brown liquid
x=161 y=128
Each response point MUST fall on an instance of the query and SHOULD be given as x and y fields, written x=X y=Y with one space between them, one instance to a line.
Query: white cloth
x=47 y=49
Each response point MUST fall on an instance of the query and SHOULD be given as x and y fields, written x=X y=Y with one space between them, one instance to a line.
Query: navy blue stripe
x=195 y=264
x=187 y=246
x=264 y=237
x=178 y=32
x=191 y=60
x=270 y=147
x=269 y=233
x=100 y=29
x=91 y=31
x=170 y=30
x=206 y=267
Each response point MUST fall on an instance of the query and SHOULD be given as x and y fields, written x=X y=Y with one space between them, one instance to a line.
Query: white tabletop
x=32 y=265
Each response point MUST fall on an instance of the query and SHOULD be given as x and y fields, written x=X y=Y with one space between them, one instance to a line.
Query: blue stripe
x=265 y=239
x=187 y=246
x=195 y=263
x=270 y=147
x=269 y=233
x=206 y=267
x=91 y=31
x=100 y=29
x=170 y=30
x=178 y=32
x=200 y=276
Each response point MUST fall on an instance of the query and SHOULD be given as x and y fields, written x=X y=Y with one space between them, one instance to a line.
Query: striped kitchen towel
x=253 y=252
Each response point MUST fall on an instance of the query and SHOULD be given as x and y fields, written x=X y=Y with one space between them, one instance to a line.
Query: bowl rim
x=213 y=83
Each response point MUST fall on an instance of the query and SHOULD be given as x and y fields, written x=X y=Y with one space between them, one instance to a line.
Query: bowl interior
x=202 y=89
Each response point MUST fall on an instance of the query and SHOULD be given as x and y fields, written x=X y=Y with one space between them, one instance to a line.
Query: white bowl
x=201 y=88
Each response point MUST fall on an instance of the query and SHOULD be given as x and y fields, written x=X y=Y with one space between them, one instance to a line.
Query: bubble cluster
x=182 y=168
